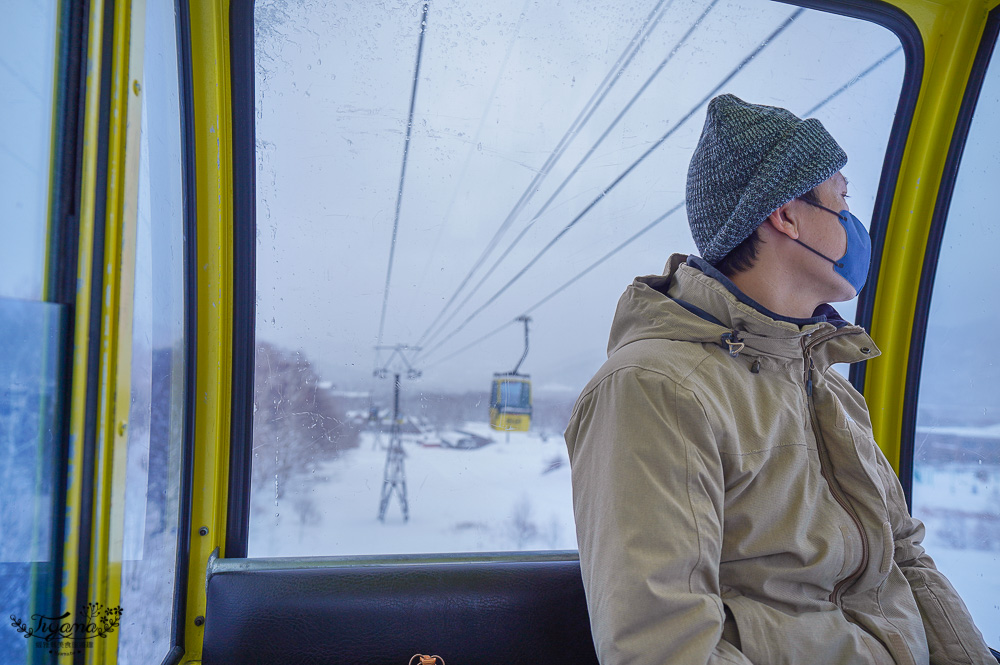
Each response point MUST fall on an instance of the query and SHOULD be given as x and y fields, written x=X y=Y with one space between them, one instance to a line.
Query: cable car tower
x=394 y=475
x=510 y=394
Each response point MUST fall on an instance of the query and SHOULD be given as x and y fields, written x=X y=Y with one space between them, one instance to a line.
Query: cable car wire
x=856 y=79
x=852 y=82
x=614 y=123
x=614 y=183
x=600 y=93
x=402 y=171
x=569 y=283
x=479 y=131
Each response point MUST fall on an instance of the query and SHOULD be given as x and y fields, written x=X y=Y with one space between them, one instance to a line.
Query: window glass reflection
x=27 y=69
x=423 y=181
x=156 y=415
x=514 y=394
x=30 y=370
x=31 y=331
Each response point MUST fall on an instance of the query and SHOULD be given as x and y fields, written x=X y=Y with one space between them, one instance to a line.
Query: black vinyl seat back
x=469 y=613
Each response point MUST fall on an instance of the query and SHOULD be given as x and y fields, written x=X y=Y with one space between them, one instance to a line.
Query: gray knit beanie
x=750 y=161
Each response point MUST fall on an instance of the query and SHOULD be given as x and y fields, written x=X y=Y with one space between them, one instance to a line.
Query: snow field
x=515 y=495
x=960 y=506
x=507 y=495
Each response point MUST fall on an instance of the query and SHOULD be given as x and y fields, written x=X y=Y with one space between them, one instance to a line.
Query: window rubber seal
x=64 y=243
x=241 y=57
x=189 y=184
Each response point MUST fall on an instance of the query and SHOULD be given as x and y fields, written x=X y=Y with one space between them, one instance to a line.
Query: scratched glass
x=424 y=181
x=27 y=69
x=32 y=331
x=30 y=371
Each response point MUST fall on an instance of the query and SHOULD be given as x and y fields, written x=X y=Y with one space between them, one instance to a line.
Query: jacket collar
x=703 y=305
x=822 y=314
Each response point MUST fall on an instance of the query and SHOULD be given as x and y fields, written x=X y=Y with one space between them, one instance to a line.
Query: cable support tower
x=402 y=171
x=763 y=45
x=851 y=83
x=614 y=123
x=394 y=473
x=600 y=93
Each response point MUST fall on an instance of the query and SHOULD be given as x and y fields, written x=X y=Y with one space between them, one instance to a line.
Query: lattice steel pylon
x=394 y=476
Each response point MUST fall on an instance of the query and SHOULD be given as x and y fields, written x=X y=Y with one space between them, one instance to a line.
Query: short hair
x=743 y=256
x=811 y=196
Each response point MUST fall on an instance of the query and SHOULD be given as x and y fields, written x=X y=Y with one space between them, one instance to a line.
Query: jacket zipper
x=838 y=590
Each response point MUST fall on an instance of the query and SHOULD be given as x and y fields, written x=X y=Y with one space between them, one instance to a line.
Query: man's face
x=822 y=231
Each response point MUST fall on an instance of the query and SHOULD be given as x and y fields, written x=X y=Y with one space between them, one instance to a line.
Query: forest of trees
x=296 y=423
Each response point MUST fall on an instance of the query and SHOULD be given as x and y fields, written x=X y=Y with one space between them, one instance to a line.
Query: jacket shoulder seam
x=677 y=380
x=622 y=368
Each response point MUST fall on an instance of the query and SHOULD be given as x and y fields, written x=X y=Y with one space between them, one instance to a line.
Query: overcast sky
x=27 y=69
x=501 y=88
x=500 y=85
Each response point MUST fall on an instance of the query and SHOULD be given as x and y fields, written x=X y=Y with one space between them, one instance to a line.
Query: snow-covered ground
x=960 y=506
x=514 y=494
x=508 y=495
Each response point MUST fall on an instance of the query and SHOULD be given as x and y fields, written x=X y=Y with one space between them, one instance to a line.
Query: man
x=731 y=504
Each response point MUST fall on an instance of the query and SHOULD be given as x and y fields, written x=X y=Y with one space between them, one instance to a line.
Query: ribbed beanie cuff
x=750 y=161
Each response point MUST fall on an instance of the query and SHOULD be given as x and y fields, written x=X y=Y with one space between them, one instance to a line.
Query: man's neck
x=777 y=290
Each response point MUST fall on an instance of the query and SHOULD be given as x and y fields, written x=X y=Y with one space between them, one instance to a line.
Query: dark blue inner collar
x=823 y=313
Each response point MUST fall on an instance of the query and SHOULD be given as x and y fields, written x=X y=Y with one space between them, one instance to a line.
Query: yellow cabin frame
x=950 y=32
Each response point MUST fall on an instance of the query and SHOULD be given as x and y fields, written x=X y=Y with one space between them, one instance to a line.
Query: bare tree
x=296 y=424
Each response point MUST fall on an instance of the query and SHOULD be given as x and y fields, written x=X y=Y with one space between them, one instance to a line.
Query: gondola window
x=956 y=460
x=427 y=173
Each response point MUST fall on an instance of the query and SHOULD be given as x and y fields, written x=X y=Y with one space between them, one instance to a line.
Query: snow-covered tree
x=296 y=423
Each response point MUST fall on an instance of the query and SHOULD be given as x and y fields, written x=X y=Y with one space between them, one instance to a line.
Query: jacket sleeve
x=952 y=636
x=648 y=494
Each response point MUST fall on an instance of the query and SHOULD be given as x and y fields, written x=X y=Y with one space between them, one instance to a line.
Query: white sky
x=27 y=69
x=500 y=84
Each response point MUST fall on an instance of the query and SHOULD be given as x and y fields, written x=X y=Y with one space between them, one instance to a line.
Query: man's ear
x=784 y=221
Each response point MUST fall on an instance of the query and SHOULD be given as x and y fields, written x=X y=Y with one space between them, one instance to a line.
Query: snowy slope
x=507 y=495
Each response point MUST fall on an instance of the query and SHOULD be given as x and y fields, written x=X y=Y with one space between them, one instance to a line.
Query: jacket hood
x=694 y=302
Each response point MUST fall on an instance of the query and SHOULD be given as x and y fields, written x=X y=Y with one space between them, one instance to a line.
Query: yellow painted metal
x=213 y=156
x=114 y=392
x=508 y=417
x=951 y=31
x=509 y=422
x=81 y=321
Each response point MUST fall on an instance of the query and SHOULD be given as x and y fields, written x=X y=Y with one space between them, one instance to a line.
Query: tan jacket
x=731 y=504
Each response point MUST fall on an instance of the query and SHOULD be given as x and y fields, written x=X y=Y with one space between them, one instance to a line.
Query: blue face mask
x=853 y=265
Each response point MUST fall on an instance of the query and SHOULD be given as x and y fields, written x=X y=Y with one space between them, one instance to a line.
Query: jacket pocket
x=792 y=637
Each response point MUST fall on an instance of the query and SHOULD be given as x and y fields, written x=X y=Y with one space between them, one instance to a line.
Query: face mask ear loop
x=822 y=207
x=836 y=263
x=834 y=212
